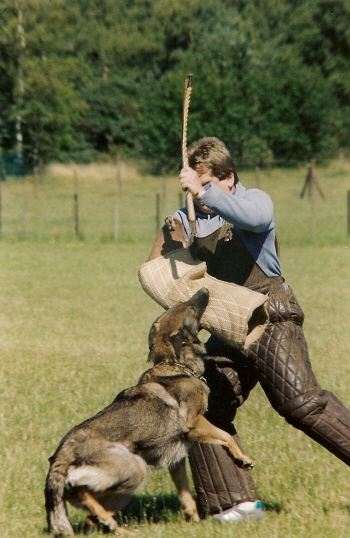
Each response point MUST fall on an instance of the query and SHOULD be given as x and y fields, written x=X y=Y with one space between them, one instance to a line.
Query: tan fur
x=100 y=463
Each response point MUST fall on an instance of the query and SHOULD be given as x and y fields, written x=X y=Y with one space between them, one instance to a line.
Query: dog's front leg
x=205 y=432
x=179 y=475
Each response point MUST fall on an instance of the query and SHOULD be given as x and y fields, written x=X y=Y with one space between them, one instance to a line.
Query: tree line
x=89 y=77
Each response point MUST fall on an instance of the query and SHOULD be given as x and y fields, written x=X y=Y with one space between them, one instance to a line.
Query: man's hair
x=209 y=154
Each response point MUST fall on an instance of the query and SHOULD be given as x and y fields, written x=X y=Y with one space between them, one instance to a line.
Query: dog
x=101 y=462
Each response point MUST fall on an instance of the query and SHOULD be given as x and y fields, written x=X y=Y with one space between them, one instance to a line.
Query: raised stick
x=186 y=105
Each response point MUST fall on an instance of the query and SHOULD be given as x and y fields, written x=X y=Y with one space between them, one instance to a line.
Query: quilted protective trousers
x=279 y=361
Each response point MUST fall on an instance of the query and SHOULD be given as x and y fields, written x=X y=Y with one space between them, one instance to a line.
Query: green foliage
x=111 y=116
x=101 y=76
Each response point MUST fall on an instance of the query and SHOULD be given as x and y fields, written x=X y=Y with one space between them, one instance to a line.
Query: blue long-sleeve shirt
x=250 y=211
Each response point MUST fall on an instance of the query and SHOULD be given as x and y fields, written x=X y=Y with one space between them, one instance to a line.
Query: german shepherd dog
x=100 y=463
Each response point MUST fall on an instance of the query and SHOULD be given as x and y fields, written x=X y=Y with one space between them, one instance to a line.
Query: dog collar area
x=189 y=371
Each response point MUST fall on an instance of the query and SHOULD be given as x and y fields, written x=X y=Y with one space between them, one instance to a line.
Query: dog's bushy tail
x=56 y=508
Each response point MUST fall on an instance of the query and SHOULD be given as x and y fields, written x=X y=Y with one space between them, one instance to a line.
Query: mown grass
x=75 y=320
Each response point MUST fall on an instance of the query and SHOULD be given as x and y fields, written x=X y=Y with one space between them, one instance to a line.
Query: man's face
x=226 y=185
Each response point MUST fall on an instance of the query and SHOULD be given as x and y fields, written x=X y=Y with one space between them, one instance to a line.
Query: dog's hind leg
x=205 y=432
x=89 y=501
x=179 y=475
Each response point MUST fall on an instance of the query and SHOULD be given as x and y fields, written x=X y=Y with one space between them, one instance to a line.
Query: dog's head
x=176 y=328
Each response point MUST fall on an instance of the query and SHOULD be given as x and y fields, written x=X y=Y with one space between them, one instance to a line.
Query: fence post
x=181 y=199
x=257 y=177
x=119 y=178
x=269 y=162
x=35 y=181
x=26 y=218
x=0 y=205
x=312 y=200
x=75 y=206
x=116 y=222
x=163 y=198
x=157 y=212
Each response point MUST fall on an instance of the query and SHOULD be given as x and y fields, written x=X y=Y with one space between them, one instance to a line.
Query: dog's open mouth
x=177 y=326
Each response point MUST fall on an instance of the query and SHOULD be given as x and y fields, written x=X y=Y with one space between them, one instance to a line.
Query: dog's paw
x=122 y=530
x=191 y=515
x=62 y=531
x=247 y=465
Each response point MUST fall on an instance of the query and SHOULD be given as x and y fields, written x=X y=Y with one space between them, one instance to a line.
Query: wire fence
x=30 y=210
x=132 y=211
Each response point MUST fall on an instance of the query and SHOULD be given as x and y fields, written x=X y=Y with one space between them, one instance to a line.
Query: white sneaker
x=243 y=511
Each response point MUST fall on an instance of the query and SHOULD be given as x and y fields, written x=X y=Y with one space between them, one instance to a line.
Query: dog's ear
x=153 y=331
x=161 y=348
x=151 y=336
x=177 y=341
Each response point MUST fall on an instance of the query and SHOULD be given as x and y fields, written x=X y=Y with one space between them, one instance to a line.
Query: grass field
x=75 y=320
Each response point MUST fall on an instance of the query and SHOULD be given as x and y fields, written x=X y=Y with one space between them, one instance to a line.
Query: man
x=235 y=235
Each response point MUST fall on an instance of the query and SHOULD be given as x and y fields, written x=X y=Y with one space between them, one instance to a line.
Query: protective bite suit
x=278 y=360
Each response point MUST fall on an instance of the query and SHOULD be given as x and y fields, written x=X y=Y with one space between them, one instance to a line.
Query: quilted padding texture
x=216 y=488
x=279 y=360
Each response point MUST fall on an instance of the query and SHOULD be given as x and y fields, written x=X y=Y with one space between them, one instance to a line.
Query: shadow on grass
x=151 y=509
x=273 y=507
x=141 y=509
x=165 y=508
